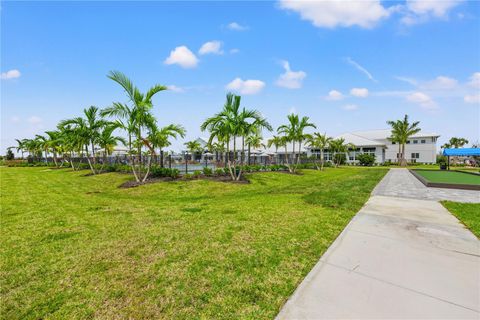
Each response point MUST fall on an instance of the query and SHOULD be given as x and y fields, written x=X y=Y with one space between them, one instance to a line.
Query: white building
x=421 y=147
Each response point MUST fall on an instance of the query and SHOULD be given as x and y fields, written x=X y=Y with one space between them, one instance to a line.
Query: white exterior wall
x=379 y=158
x=427 y=151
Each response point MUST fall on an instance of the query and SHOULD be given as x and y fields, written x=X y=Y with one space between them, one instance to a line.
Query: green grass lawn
x=75 y=246
x=468 y=213
x=442 y=176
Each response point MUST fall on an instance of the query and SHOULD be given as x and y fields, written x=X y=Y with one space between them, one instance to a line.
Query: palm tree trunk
x=88 y=160
x=242 y=154
x=404 y=161
x=248 y=160
x=399 y=156
x=321 y=159
x=299 y=151
x=55 y=159
x=149 y=161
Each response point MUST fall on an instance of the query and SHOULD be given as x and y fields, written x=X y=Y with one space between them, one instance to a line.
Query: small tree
x=193 y=146
x=402 y=130
x=9 y=155
x=321 y=142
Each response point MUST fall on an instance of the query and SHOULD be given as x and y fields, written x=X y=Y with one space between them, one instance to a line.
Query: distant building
x=421 y=147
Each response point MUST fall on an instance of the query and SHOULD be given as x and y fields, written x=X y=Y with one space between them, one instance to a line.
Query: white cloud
x=290 y=79
x=214 y=47
x=360 y=68
x=422 y=99
x=359 y=92
x=34 y=120
x=440 y=83
x=418 y=11
x=472 y=98
x=10 y=74
x=411 y=81
x=236 y=26
x=475 y=80
x=234 y=50
x=350 y=107
x=338 y=13
x=435 y=8
x=175 y=88
x=334 y=95
x=246 y=86
x=183 y=57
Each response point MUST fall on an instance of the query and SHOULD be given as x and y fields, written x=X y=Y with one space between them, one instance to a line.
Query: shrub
x=366 y=159
x=387 y=163
x=255 y=168
x=174 y=173
x=197 y=173
x=441 y=159
x=207 y=171
x=159 y=172
x=188 y=176
x=219 y=172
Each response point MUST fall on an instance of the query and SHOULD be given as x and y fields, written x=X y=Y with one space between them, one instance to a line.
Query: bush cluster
x=23 y=163
x=159 y=172
x=366 y=159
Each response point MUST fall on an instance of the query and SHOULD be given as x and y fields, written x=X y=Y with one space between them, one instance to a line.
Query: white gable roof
x=358 y=140
x=384 y=134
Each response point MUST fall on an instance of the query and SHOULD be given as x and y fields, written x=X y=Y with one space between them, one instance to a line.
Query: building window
x=423 y=141
x=415 y=141
x=415 y=155
x=393 y=142
x=408 y=141
x=370 y=151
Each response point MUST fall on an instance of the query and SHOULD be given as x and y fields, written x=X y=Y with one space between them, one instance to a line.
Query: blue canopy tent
x=460 y=152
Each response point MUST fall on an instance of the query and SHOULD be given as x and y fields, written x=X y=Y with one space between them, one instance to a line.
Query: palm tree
x=339 y=147
x=87 y=131
x=73 y=140
x=160 y=137
x=455 y=143
x=21 y=145
x=33 y=147
x=294 y=132
x=138 y=117
x=193 y=146
x=42 y=143
x=254 y=141
x=231 y=123
x=54 y=143
x=107 y=141
x=321 y=142
x=402 y=130
x=218 y=147
x=277 y=142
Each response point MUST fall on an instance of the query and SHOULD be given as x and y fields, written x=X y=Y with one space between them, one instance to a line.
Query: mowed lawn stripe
x=75 y=246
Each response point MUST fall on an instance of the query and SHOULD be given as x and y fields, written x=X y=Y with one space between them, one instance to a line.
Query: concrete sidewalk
x=398 y=258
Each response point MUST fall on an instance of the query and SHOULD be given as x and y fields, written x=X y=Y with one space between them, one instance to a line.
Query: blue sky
x=347 y=65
